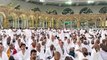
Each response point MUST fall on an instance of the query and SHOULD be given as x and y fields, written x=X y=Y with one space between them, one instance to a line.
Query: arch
x=31 y=21
x=54 y=12
x=36 y=9
x=67 y=11
x=12 y=19
x=23 y=21
x=74 y=22
x=3 y=20
x=61 y=22
x=83 y=23
x=39 y=21
x=46 y=22
x=85 y=10
x=98 y=22
x=2 y=13
x=103 y=10
x=23 y=16
x=14 y=15
x=67 y=23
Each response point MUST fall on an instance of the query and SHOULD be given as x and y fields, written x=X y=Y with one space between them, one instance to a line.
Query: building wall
x=4 y=2
x=27 y=6
x=76 y=9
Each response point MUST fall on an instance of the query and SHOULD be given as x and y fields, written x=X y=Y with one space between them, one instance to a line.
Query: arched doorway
x=45 y=25
x=31 y=21
x=23 y=21
x=67 y=23
x=83 y=23
x=2 y=18
x=13 y=20
x=60 y=22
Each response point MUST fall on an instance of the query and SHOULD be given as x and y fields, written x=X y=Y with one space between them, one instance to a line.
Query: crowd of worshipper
x=53 y=44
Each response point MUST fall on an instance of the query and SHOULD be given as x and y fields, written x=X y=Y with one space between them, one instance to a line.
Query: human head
x=103 y=45
x=68 y=41
x=84 y=51
x=33 y=54
x=57 y=55
x=23 y=46
x=11 y=46
x=68 y=58
x=52 y=47
x=79 y=42
x=61 y=43
x=38 y=46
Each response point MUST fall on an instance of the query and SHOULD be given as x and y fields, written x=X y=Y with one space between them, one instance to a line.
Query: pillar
x=52 y=23
x=78 y=23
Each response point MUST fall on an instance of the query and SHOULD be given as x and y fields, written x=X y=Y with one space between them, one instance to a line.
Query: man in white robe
x=83 y=54
x=23 y=54
x=50 y=52
x=61 y=49
x=96 y=55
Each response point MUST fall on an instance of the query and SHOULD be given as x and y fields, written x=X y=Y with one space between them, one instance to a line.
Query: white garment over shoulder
x=54 y=59
x=95 y=55
x=20 y=56
x=103 y=54
x=81 y=56
x=4 y=56
x=62 y=52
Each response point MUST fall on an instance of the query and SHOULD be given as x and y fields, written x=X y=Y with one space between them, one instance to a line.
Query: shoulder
x=28 y=58
x=5 y=57
x=52 y=58
x=4 y=54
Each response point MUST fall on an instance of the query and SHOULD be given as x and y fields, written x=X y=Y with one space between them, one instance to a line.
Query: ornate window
x=103 y=10
x=67 y=11
x=36 y=9
x=17 y=7
x=86 y=10
x=52 y=12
